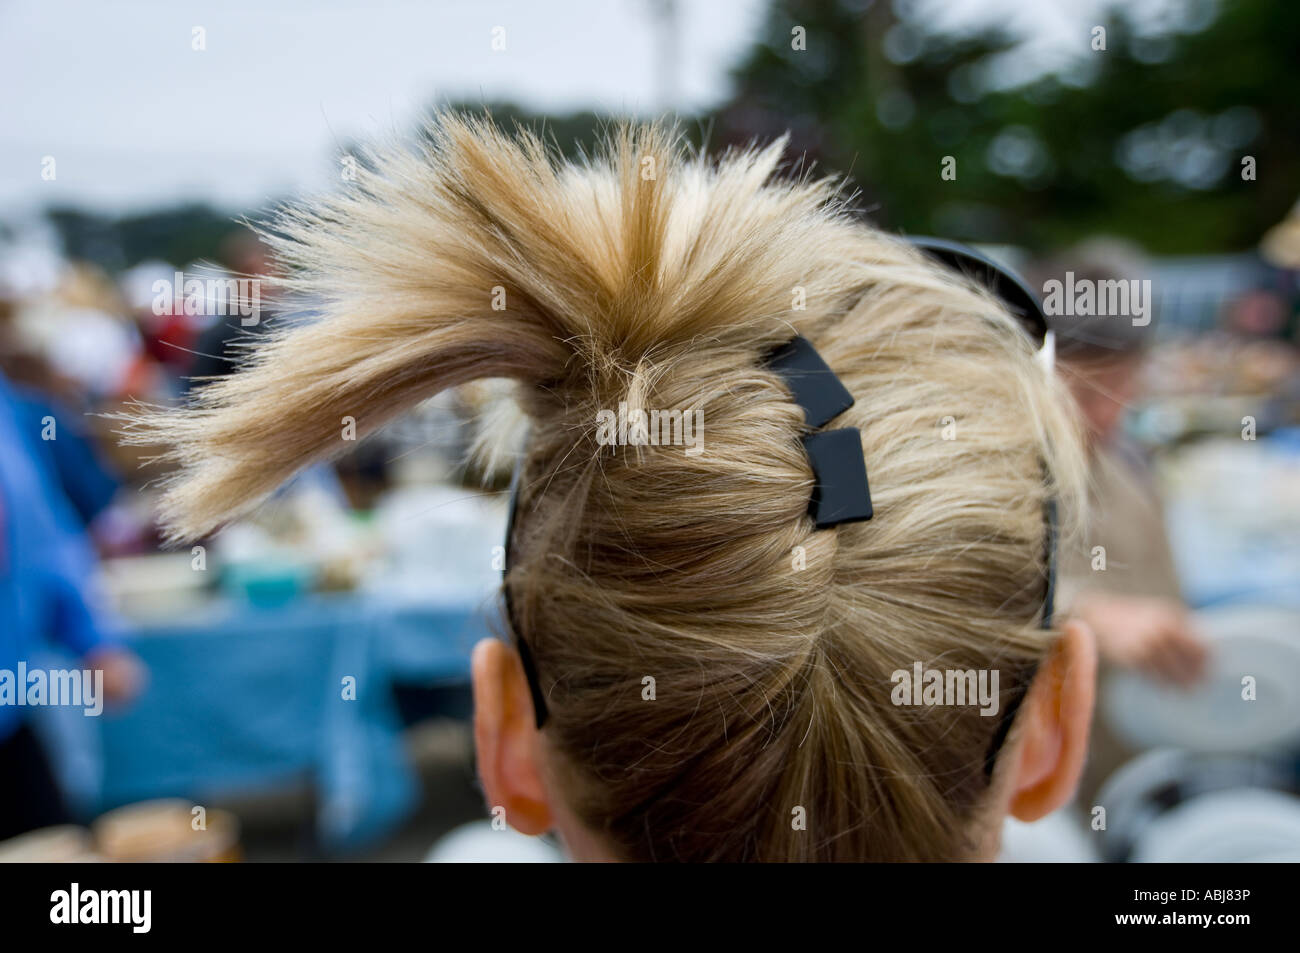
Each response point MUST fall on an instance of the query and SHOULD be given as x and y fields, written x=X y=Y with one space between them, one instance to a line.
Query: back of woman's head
x=719 y=673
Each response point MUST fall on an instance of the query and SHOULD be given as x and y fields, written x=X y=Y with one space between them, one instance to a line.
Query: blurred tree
x=573 y=134
x=1144 y=139
x=178 y=235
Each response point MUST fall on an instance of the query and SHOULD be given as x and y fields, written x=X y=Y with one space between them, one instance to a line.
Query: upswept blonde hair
x=653 y=276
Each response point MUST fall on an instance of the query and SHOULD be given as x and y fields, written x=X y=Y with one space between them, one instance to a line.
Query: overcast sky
x=135 y=117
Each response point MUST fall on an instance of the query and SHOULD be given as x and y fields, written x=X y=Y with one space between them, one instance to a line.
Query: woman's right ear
x=506 y=738
x=1056 y=719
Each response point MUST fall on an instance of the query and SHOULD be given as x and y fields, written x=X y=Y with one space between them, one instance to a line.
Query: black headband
x=521 y=644
x=1024 y=305
x=984 y=271
x=840 y=492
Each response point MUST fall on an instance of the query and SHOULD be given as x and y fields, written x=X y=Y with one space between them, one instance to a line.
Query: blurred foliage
x=573 y=135
x=178 y=235
x=1143 y=140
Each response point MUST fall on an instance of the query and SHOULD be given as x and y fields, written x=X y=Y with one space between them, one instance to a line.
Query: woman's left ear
x=506 y=739
x=1057 y=717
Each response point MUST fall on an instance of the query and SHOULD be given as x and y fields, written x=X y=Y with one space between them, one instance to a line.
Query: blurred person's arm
x=1150 y=633
x=86 y=630
x=1135 y=605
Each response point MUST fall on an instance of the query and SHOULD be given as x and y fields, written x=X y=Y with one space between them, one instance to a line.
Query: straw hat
x=1280 y=245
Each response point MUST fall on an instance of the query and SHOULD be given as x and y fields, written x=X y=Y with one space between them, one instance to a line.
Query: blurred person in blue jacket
x=47 y=597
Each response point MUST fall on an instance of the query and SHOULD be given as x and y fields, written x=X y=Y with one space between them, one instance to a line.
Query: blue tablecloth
x=242 y=698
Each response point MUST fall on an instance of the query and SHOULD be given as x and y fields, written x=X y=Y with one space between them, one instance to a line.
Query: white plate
x=1262 y=642
x=1238 y=826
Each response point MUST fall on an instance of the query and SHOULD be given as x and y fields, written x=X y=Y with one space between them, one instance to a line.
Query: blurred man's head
x=1099 y=349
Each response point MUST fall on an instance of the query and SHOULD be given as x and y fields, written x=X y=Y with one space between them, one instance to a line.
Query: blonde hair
x=654 y=277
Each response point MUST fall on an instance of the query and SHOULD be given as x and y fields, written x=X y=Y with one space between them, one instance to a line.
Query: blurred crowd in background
x=1126 y=162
